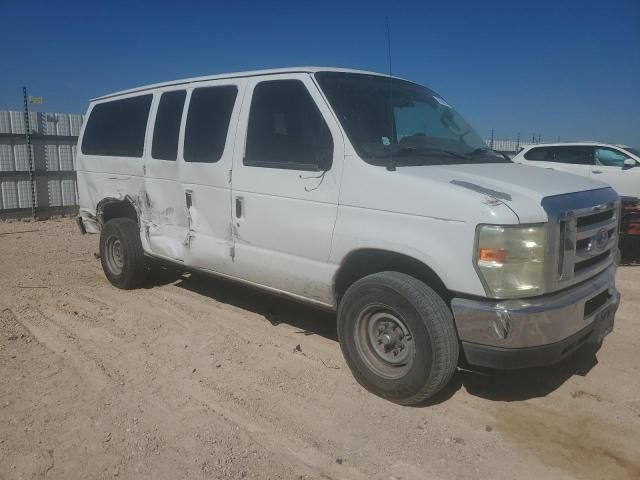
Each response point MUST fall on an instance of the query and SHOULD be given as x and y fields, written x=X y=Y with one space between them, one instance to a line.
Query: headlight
x=510 y=259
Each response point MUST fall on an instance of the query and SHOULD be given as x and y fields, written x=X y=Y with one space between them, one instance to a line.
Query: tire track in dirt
x=62 y=340
x=61 y=332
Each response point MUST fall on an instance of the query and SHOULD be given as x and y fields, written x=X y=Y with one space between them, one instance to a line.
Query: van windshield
x=395 y=120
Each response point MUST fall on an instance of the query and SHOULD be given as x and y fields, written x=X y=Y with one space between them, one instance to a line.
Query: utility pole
x=518 y=144
x=27 y=127
x=491 y=145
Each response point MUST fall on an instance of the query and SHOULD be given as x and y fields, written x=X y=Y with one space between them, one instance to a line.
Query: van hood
x=519 y=187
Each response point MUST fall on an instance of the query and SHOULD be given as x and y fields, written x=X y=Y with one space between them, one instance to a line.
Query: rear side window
x=537 y=154
x=286 y=129
x=573 y=155
x=167 y=127
x=117 y=129
x=208 y=123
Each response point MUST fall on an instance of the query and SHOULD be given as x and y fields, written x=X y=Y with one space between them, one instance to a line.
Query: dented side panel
x=208 y=238
x=96 y=187
x=164 y=216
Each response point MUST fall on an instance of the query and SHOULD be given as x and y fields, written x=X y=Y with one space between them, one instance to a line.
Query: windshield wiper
x=488 y=150
x=480 y=150
x=422 y=150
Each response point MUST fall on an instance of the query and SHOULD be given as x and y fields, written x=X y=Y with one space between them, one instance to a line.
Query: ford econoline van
x=360 y=193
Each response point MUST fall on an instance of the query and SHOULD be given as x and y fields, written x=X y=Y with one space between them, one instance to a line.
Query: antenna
x=391 y=166
x=389 y=44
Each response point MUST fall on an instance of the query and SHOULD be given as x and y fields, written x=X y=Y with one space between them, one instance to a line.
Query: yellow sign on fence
x=35 y=100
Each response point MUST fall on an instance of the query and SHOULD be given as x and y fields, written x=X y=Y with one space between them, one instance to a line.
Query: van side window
x=117 y=128
x=286 y=129
x=167 y=126
x=208 y=119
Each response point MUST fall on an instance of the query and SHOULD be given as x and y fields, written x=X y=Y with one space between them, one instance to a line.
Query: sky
x=565 y=69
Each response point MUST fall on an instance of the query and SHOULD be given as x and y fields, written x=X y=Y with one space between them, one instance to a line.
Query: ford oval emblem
x=599 y=239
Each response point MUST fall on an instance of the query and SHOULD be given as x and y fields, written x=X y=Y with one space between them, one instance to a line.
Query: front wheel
x=398 y=337
x=121 y=253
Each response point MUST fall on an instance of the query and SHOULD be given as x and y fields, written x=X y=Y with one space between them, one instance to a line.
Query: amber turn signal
x=497 y=255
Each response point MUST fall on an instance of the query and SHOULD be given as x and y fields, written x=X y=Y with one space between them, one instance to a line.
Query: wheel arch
x=110 y=207
x=367 y=261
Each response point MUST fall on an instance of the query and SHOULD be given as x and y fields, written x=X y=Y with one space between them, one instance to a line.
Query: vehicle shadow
x=523 y=384
x=276 y=310
x=494 y=385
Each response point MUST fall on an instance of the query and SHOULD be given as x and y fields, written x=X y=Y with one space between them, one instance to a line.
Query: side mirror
x=629 y=163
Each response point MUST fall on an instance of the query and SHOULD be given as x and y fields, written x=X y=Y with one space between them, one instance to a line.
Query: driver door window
x=286 y=130
x=609 y=168
x=608 y=157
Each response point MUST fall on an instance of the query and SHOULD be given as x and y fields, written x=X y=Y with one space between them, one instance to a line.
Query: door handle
x=188 y=197
x=239 y=207
x=596 y=171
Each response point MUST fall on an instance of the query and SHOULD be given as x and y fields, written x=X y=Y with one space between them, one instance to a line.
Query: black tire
x=406 y=361
x=121 y=254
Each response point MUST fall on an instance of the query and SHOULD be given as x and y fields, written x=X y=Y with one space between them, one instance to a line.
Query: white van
x=360 y=193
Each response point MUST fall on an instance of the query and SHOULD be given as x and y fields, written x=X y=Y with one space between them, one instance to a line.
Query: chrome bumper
x=534 y=322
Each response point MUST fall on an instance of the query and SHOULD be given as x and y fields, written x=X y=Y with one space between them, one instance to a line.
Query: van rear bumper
x=537 y=331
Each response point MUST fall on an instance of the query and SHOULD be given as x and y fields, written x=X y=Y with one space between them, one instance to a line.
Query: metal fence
x=509 y=146
x=48 y=182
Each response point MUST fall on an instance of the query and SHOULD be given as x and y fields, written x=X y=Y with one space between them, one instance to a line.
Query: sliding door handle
x=188 y=197
x=596 y=171
x=239 y=207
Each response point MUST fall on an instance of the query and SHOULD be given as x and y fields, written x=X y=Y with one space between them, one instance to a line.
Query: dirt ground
x=198 y=378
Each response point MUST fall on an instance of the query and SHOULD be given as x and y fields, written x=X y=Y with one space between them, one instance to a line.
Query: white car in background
x=612 y=164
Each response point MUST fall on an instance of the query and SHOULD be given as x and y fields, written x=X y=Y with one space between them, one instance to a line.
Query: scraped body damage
x=162 y=225
x=169 y=229
x=97 y=189
x=163 y=221
x=208 y=236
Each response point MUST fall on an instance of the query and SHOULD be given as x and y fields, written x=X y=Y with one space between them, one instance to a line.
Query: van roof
x=251 y=73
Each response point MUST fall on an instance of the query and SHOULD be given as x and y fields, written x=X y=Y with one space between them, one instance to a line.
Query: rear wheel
x=121 y=253
x=398 y=337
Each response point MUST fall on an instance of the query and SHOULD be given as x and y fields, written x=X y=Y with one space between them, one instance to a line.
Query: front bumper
x=537 y=331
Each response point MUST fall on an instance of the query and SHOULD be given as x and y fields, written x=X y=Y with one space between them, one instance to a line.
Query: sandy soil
x=197 y=378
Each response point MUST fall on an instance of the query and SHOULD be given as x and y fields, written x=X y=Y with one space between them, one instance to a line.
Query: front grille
x=587 y=220
x=584 y=243
x=595 y=238
x=585 y=236
x=590 y=262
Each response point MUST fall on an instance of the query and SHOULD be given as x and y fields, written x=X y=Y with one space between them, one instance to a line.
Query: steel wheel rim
x=114 y=255
x=384 y=341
